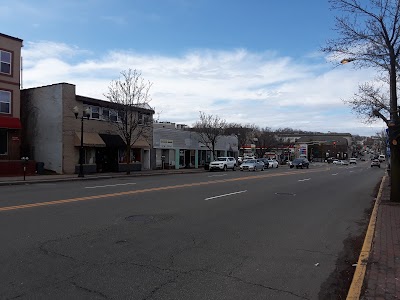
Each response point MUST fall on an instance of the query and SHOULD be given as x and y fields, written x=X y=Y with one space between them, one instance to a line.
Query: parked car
x=375 y=163
x=332 y=160
x=381 y=158
x=353 y=160
x=336 y=161
x=300 y=163
x=343 y=162
x=272 y=163
x=252 y=165
x=265 y=161
x=223 y=163
x=248 y=157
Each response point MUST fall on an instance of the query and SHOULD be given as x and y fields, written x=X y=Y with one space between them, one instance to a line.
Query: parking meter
x=163 y=160
x=24 y=163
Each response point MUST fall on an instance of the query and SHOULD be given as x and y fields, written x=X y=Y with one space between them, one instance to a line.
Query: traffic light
x=334 y=144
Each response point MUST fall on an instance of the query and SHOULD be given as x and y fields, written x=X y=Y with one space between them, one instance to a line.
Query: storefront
x=178 y=148
x=10 y=138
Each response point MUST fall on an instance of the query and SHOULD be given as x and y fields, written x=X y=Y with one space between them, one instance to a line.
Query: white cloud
x=240 y=86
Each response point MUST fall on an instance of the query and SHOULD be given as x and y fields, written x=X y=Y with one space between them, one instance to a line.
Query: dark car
x=265 y=161
x=300 y=163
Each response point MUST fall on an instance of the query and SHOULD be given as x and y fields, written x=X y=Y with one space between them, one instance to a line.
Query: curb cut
x=359 y=274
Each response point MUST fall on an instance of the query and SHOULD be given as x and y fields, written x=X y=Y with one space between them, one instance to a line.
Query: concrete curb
x=47 y=180
x=359 y=274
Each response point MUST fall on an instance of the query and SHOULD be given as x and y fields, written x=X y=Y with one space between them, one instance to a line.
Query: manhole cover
x=121 y=242
x=285 y=194
x=140 y=218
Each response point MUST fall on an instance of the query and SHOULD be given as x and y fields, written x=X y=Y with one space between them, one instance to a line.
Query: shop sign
x=164 y=143
x=15 y=138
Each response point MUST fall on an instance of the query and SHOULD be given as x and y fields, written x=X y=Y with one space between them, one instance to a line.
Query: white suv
x=223 y=163
x=353 y=160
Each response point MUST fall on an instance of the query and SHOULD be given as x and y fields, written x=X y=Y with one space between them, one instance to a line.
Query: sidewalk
x=15 y=180
x=382 y=279
x=377 y=275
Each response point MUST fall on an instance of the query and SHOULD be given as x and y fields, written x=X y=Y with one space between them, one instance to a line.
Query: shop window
x=5 y=61
x=5 y=102
x=140 y=118
x=120 y=116
x=144 y=119
x=113 y=116
x=95 y=112
x=106 y=114
x=90 y=156
x=3 y=142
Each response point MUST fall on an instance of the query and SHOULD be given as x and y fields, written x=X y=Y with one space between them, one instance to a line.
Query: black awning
x=112 y=140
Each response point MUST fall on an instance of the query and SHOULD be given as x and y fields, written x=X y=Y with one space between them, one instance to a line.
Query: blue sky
x=253 y=61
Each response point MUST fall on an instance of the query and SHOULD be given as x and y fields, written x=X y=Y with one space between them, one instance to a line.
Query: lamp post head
x=86 y=113
x=76 y=111
x=347 y=60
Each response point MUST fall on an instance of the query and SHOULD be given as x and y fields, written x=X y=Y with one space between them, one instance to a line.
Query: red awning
x=10 y=123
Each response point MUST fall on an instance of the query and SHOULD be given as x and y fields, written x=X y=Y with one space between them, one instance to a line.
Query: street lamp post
x=86 y=114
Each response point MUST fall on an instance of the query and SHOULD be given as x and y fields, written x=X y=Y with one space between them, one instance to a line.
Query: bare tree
x=369 y=36
x=370 y=102
x=210 y=128
x=266 y=140
x=382 y=137
x=131 y=94
x=242 y=132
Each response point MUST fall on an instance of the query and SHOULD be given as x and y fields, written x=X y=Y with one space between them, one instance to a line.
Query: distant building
x=177 y=148
x=319 y=146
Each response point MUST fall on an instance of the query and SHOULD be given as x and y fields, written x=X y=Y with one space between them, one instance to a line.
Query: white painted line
x=304 y=179
x=225 y=195
x=108 y=185
x=335 y=174
x=218 y=175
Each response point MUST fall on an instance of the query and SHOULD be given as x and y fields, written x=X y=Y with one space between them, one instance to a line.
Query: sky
x=246 y=61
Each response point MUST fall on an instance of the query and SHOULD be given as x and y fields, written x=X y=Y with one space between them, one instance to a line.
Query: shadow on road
x=338 y=283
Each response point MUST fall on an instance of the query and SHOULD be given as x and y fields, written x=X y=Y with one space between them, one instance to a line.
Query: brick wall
x=15 y=168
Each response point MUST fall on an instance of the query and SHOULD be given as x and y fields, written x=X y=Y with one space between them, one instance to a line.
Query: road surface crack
x=156 y=289
x=251 y=283
x=54 y=253
x=89 y=290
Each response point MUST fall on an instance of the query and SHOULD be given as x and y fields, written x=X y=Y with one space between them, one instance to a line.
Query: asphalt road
x=275 y=234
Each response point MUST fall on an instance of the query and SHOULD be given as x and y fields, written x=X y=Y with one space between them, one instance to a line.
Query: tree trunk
x=128 y=158
x=394 y=173
x=394 y=118
x=213 y=152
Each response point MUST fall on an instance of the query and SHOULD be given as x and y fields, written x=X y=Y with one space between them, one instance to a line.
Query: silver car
x=252 y=165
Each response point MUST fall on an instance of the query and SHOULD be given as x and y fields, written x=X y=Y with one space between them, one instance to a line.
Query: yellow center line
x=179 y=186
